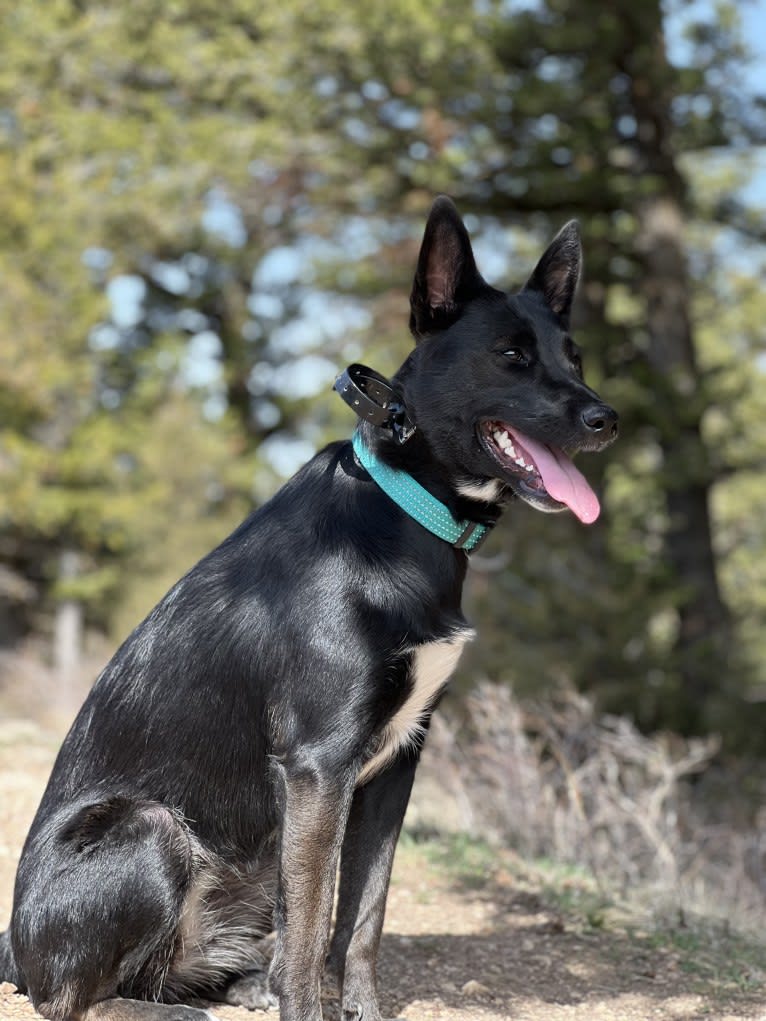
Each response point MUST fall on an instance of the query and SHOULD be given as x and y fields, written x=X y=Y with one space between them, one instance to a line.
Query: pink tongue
x=561 y=479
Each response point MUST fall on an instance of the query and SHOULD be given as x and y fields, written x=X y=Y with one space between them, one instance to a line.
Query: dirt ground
x=465 y=940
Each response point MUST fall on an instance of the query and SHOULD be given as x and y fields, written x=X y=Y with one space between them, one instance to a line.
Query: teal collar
x=418 y=502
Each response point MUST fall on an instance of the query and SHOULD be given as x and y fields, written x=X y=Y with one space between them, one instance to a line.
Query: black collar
x=370 y=396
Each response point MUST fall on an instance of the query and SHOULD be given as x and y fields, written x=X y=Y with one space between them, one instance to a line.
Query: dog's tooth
x=520 y=461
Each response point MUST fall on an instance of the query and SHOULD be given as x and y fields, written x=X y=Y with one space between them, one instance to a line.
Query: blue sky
x=753 y=14
x=754 y=21
x=753 y=18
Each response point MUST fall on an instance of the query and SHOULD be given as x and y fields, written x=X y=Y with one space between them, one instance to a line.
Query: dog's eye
x=516 y=355
x=577 y=364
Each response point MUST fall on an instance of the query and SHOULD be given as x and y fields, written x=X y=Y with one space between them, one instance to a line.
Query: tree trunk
x=68 y=627
x=704 y=633
x=704 y=629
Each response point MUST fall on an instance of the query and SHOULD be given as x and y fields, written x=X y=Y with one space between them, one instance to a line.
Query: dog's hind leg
x=224 y=938
x=8 y=970
x=315 y=800
x=374 y=822
x=99 y=893
x=108 y=1010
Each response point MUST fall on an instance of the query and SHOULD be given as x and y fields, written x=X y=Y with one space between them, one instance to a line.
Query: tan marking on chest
x=432 y=665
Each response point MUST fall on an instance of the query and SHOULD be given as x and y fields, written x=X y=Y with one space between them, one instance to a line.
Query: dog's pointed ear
x=446 y=274
x=556 y=274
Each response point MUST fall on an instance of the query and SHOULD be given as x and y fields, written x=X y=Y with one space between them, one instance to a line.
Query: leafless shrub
x=558 y=781
x=30 y=688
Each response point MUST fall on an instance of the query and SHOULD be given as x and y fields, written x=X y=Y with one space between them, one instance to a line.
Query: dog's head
x=495 y=384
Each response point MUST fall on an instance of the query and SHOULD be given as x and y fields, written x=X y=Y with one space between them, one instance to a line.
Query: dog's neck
x=420 y=504
x=473 y=499
x=401 y=460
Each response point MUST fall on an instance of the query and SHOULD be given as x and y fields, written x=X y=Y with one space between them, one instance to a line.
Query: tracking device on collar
x=369 y=395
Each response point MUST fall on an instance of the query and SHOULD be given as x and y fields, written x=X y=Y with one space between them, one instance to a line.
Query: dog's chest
x=430 y=669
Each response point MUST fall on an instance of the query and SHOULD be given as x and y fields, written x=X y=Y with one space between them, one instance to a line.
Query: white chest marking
x=488 y=492
x=432 y=665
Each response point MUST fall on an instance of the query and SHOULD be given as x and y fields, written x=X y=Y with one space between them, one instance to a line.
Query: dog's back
x=310 y=593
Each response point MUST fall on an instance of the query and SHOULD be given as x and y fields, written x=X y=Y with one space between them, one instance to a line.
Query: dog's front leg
x=316 y=801
x=374 y=822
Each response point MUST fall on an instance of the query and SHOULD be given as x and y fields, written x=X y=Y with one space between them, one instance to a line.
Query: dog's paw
x=364 y=1011
x=251 y=991
x=357 y=1012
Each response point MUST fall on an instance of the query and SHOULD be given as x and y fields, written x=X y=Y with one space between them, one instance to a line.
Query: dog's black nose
x=600 y=418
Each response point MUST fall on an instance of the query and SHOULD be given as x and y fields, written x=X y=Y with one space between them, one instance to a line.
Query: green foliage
x=127 y=129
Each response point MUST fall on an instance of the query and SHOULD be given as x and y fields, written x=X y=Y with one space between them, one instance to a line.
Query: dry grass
x=656 y=820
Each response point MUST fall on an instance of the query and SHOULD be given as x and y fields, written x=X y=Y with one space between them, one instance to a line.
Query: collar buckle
x=464 y=539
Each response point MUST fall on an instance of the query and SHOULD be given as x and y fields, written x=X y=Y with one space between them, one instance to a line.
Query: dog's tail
x=8 y=970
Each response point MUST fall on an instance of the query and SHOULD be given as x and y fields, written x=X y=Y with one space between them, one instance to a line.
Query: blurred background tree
x=206 y=210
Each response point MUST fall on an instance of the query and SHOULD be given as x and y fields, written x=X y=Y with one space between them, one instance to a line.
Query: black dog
x=264 y=722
